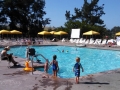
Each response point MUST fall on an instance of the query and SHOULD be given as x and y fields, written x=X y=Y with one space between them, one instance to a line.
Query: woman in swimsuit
x=55 y=66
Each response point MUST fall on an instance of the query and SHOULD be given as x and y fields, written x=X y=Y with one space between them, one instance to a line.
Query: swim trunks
x=77 y=69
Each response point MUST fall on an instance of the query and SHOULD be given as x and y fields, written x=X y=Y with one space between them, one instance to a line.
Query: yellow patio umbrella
x=4 y=32
x=52 y=32
x=117 y=34
x=15 y=32
x=60 y=33
x=91 y=33
x=44 y=33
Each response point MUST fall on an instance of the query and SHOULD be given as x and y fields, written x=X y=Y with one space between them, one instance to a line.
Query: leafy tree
x=108 y=33
x=90 y=13
x=86 y=18
x=70 y=24
x=27 y=14
x=114 y=30
x=45 y=22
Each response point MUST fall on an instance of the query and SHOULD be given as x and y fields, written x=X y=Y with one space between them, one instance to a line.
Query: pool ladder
x=36 y=56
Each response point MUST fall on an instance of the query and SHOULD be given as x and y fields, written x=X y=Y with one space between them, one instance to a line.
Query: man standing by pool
x=55 y=66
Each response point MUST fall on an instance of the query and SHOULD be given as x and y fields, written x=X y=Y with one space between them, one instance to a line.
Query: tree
x=86 y=18
x=114 y=30
x=23 y=13
x=45 y=22
x=70 y=24
x=90 y=13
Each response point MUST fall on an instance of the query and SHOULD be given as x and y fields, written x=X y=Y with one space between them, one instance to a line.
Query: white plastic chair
x=87 y=41
x=91 y=41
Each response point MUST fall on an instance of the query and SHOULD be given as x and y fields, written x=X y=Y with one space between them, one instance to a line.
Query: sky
x=56 y=10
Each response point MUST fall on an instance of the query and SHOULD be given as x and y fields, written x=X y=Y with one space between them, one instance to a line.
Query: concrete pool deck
x=17 y=79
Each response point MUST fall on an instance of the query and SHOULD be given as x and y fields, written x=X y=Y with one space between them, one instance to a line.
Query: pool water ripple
x=92 y=60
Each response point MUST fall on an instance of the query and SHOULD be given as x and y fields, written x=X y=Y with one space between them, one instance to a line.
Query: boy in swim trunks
x=76 y=69
x=55 y=66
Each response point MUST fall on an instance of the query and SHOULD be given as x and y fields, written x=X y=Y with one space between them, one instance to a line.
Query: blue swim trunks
x=77 y=73
x=77 y=69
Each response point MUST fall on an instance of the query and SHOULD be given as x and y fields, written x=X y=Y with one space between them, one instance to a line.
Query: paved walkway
x=16 y=79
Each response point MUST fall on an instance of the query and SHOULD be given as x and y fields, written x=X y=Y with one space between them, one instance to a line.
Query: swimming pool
x=92 y=60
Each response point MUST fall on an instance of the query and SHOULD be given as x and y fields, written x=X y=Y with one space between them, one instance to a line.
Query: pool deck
x=16 y=79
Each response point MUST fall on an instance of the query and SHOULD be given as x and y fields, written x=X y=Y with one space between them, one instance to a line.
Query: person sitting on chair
x=5 y=56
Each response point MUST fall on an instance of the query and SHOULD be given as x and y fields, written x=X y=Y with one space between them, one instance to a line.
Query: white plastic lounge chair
x=77 y=41
x=83 y=41
x=87 y=41
x=91 y=41
x=118 y=43
x=80 y=41
x=104 y=42
x=97 y=42
x=71 y=40
x=63 y=40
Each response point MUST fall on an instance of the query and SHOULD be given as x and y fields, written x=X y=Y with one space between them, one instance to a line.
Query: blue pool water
x=92 y=60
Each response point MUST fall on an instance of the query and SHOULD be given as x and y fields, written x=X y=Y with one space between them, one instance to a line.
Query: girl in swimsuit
x=55 y=66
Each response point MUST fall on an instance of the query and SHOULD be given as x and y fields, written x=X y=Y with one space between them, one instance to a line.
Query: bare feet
x=45 y=76
x=77 y=82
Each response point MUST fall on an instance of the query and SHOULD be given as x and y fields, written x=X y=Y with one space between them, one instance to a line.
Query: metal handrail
x=36 y=56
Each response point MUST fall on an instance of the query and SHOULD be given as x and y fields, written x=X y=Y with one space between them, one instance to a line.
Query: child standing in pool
x=77 y=68
x=55 y=66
